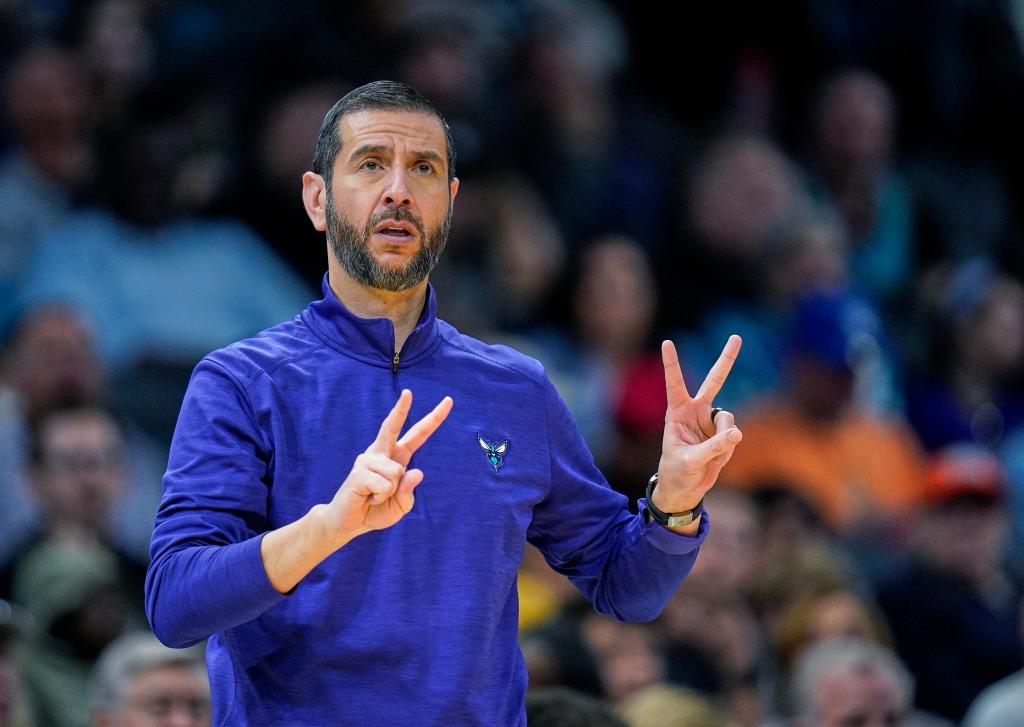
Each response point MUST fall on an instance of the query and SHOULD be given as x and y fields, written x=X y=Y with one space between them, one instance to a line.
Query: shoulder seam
x=244 y=391
x=291 y=359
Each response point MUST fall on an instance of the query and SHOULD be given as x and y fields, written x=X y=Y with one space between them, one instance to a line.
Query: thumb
x=409 y=482
x=722 y=443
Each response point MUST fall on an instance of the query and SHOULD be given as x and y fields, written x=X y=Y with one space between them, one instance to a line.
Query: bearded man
x=391 y=599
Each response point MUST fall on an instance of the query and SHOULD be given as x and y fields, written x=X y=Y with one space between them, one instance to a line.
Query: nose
x=397 y=191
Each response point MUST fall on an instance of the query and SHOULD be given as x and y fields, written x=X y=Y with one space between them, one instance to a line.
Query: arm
x=206 y=573
x=626 y=567
x=214 y=566
x=629 y=568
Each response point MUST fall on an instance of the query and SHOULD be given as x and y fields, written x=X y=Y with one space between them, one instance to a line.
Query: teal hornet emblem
x=494 y=452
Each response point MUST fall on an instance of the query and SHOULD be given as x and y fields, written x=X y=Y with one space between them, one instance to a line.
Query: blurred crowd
x=840 y=182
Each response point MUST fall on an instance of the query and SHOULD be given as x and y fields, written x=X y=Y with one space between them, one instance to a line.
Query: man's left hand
x=694 y=448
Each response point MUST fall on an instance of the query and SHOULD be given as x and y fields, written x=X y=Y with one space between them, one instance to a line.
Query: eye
x=371 y=165
x=424 y=168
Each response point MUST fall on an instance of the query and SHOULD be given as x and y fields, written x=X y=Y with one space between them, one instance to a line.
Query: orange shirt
x=857 y=466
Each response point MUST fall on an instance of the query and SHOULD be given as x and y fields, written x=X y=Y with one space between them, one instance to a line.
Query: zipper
x=394 y=364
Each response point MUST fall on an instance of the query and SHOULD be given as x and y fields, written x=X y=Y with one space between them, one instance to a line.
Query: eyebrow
x=369 y=149
x=429 y=156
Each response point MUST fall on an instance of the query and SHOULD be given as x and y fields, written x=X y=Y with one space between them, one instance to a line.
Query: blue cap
x=835 y=327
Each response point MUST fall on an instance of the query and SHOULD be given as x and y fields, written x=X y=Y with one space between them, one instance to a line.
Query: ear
x=314 y=199
x=453 y=188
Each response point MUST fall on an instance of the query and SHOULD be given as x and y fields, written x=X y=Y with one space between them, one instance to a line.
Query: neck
x=403 y=307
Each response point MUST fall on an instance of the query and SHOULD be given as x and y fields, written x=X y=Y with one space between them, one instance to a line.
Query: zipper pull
x=394 y=364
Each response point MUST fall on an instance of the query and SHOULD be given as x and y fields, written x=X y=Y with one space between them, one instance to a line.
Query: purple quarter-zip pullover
x=415 y=624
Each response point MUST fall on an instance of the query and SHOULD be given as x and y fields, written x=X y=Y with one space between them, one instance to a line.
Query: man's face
x=168 y=696
x=53 y=359
x=389 y=203
x=866 y=698
x=83 y=468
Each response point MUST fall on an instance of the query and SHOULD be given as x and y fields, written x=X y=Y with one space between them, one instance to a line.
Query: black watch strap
x=670 y=519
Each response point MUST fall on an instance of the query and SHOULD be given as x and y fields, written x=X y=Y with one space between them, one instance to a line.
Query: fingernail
x=734 y=435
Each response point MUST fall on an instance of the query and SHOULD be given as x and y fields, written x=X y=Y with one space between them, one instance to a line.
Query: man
x=851 y=682
x=139 y=682
x=348 y=605
x=78 y=474
x=969 y=635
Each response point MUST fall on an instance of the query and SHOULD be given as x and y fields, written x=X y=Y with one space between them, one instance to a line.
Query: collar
x=371 y=339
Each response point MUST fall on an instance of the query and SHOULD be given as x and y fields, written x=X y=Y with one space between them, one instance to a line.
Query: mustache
x=398 y=214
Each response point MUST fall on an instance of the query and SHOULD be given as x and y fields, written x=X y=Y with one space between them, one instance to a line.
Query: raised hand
x=694 y=448
x=378 y=491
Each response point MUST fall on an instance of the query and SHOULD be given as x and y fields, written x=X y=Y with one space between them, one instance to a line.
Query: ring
x=715 y=412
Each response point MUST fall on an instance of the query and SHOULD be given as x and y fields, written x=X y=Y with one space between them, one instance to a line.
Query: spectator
x=799 y=573
x=139 y=682
x=74 y=597
x=507 y=247
x=829 y=613
x=603 y=159
x=742 y=196
x=714 y=641
x=79 y=467
x=953 y=612
x=814 y=435
x=613 y=306
x=47 y=100
x=856 y=117
x=787 y=522
x=849 y=681
x=969 y=388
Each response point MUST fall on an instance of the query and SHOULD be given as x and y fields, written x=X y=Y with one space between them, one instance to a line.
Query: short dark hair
x=376 y=95
x=70 y=407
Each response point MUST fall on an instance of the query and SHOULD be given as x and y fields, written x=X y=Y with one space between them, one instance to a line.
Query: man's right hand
x=378 y=492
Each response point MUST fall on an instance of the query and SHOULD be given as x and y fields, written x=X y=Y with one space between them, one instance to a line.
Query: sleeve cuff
x=665 y=540
x=252 y=561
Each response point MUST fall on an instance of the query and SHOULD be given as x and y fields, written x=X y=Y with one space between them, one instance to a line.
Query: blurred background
x=838 y=181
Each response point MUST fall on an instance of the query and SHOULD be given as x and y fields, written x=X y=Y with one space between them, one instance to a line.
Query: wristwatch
x=670 y=519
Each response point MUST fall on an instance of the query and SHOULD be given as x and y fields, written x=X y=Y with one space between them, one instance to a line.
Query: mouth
x=396 y=231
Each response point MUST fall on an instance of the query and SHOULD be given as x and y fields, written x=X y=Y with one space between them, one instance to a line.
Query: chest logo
x=495 y=453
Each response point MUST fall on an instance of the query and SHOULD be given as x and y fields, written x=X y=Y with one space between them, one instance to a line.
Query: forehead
x=168 y=677
x=89 y=428
x=399 y=130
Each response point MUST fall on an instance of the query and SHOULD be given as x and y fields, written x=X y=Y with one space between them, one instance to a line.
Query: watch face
x=675 y=521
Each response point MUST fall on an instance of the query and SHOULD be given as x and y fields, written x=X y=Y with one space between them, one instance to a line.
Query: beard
x=351 y=247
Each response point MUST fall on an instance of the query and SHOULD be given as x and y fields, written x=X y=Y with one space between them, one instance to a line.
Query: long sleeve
x=626 y=567
x=206 y=573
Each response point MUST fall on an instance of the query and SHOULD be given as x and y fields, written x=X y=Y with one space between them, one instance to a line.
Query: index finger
x=720 y=371
x=420 y=431
x=675 y=387
x=392 y=424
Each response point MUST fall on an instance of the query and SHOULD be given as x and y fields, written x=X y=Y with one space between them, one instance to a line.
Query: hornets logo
x=495 y=453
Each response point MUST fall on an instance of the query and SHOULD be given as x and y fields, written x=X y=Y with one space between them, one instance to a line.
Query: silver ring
x=715 y=412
